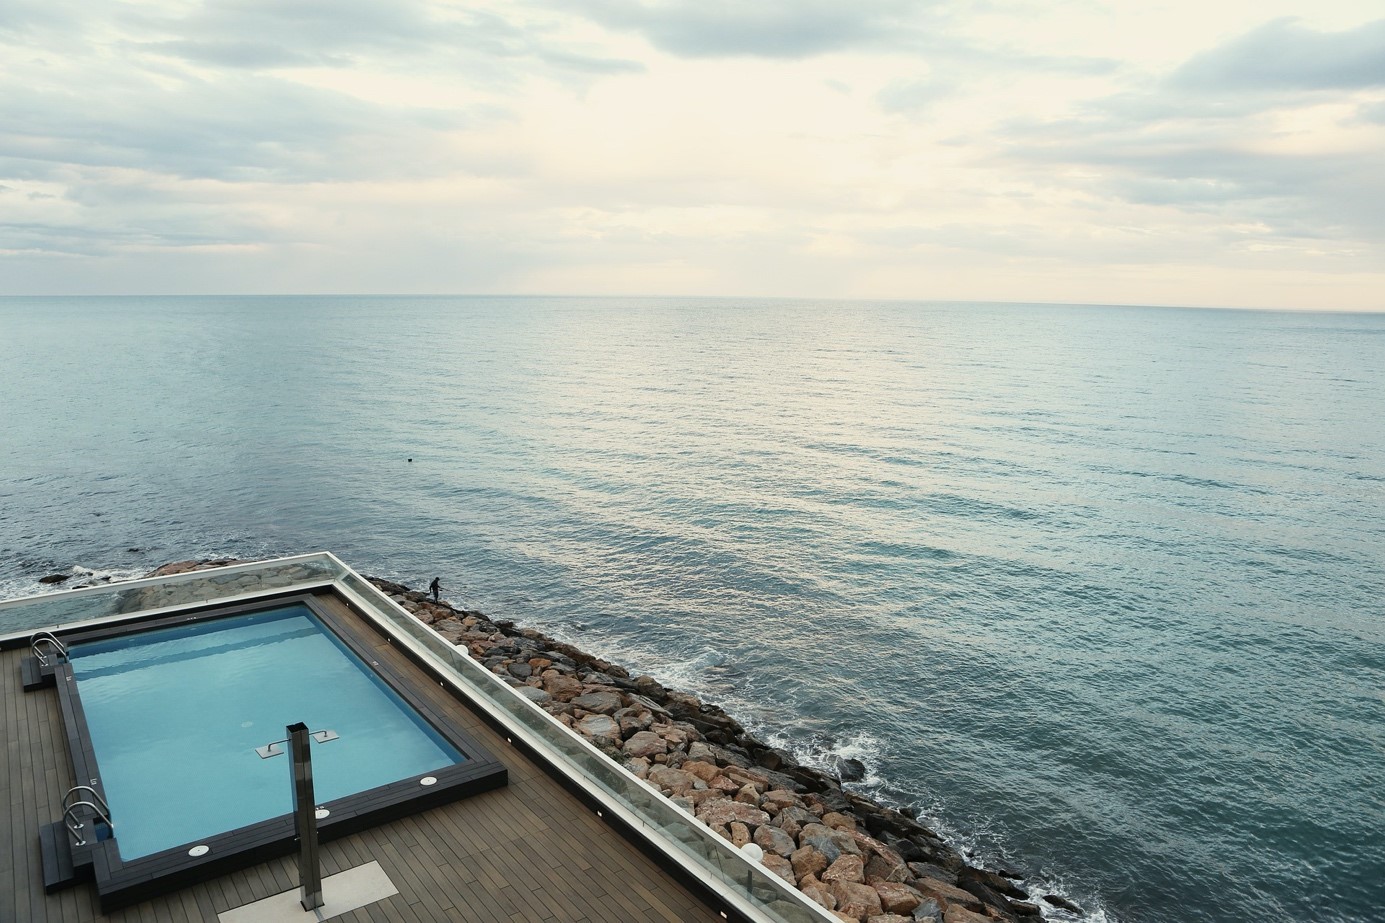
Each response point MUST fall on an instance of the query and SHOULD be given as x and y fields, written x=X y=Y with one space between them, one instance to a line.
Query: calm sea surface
x=1101 y=590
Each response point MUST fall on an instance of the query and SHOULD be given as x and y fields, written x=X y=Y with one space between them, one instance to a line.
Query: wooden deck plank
x=530 y=851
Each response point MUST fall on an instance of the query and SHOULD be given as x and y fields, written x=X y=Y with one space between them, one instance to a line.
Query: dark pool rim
x=120 y=883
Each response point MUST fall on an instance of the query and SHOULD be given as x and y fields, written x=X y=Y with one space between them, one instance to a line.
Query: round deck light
x=199 y=850
x=428 y=780
x=321 y=813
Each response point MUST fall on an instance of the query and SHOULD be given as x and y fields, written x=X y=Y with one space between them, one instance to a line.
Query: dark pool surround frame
x=120 y=883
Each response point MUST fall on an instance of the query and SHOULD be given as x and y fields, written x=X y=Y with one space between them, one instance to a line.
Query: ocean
x=1100 y=590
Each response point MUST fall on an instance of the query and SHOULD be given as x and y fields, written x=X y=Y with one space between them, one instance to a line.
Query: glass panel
x=66 y=608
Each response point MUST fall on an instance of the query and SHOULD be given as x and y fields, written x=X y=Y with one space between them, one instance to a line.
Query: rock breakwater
x=862 y=861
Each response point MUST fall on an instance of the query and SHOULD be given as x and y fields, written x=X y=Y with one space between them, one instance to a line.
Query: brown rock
x=703 y=770
x=856 y=900
x=645 y=743
x=779 y=799
x=727 y=785
x=559 y=686
x=896 y=898
x=748 y=795
x=947 y=896
x=740 y=834
x=838 y=821
x=888 y=918
x=777 y=864
x=818 y=891
x=959 y=914
x=673 y=781
x=846 y=868
x=724 y=812
x=886 y=867
x=807 y=862
x=639 y=766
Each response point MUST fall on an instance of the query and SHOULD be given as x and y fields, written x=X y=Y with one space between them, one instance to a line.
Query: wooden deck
x=527 y=852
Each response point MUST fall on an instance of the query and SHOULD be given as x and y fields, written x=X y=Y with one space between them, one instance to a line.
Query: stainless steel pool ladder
x=73 y=823
x=40 y=638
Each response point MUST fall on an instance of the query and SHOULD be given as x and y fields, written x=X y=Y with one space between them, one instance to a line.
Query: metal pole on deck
x=305 y=816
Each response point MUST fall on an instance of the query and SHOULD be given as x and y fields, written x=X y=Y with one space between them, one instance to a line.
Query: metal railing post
x=305 y=816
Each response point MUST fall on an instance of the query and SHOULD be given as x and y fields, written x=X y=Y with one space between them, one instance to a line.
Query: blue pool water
x=175 y=716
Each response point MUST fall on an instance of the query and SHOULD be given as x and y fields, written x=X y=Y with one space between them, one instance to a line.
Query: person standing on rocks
x=434 y=588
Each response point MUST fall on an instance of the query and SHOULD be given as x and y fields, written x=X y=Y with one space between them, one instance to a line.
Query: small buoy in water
x=411 y=459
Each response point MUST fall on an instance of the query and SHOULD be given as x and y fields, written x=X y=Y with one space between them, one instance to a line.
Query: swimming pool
x=174 y=719
x=176 y=716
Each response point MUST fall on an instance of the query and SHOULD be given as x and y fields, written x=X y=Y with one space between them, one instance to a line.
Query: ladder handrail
x=48 y=637
x=75 y=826
x=87 y=788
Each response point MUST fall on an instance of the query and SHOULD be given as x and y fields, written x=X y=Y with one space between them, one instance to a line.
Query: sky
x=1223 y=153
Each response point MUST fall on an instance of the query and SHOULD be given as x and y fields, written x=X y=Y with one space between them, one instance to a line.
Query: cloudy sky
x=1229 y=152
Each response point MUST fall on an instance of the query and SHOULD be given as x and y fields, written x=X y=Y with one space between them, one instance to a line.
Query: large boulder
x=855 y=900
x=807 y=861
x=599 y=726
x=726 y=811
x=897 y=898
x=674 y=781
x=606 y=703
x=846 y=868
x=645 y=744
x=774 y=841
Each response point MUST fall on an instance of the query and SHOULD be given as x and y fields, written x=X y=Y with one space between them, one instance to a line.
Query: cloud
x=1282 y=55
x=768 y=28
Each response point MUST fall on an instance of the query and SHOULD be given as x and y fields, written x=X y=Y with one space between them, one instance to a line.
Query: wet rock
x=947 y=895
x=1057 y=900
x=645 y=743
x=651 y=688
x=54 y=578
x=928 y=870
x=1025 y=909
x=997 y=883
x=849 y=769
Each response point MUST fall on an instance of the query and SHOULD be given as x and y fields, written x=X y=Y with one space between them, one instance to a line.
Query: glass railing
x=700 y=848
x=64 y=608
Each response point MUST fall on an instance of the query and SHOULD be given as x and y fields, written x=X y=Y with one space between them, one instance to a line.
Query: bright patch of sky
x=1175 y=152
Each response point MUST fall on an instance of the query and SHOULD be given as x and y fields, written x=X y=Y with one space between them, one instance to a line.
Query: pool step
x=59 y=871
x=35 y=675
